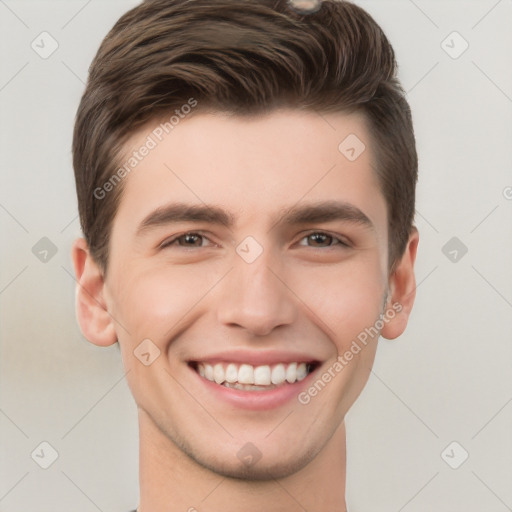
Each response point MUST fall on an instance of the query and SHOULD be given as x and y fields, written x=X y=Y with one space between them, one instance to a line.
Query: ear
x=93 y=317
x=402 y=290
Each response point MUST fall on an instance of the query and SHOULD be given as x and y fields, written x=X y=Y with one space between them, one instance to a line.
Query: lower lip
x=257 y=400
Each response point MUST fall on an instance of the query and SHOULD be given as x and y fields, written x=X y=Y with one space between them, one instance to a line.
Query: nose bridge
x=254 y=295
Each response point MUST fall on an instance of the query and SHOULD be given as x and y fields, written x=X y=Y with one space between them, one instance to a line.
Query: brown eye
x=320 y=239
x=191 y=240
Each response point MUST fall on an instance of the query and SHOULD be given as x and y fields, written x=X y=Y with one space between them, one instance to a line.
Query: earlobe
x=92 y=314
x=402 y=290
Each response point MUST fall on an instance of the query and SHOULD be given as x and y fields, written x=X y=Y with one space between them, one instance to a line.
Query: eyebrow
x=326 y=211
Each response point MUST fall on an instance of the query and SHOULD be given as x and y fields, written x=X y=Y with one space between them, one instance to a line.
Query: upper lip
x=256 y=357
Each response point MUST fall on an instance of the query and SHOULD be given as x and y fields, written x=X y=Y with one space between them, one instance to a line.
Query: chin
x=260 y=471
x=275 y=466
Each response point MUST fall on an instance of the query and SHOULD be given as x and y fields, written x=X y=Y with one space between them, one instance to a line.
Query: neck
x=170 y=481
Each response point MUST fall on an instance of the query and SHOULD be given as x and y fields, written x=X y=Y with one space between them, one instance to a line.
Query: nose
x=256 y=297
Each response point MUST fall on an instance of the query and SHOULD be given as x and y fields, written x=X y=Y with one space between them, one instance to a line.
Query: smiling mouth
x=246 y=377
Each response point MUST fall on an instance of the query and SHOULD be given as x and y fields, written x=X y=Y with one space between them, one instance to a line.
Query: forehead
x=254 y=166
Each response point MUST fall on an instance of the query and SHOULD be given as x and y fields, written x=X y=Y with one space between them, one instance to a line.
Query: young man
x=246 y=178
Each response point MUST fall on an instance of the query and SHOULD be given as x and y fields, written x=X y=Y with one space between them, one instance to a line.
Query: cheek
x=347 y=298
x=153 y=301
x=156 y=304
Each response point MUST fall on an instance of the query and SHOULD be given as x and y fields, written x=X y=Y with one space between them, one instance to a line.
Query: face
x=249 y=254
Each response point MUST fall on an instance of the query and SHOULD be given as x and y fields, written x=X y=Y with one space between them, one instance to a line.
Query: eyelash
x=338 y=240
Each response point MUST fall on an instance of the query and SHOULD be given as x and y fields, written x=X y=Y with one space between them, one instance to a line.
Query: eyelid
x=343 y=240
x=168 y=241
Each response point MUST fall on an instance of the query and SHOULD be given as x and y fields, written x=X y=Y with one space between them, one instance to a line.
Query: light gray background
x=448 y=378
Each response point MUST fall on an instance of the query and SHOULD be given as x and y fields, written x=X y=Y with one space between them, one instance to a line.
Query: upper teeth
x=259 y=375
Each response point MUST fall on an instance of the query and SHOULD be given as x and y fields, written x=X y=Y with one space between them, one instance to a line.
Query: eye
x=321 y=239
x=190 y=239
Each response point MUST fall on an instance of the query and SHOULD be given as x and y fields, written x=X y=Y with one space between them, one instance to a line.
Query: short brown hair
x=245 y=57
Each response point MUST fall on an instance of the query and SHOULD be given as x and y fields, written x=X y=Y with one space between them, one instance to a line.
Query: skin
x=198 y=297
